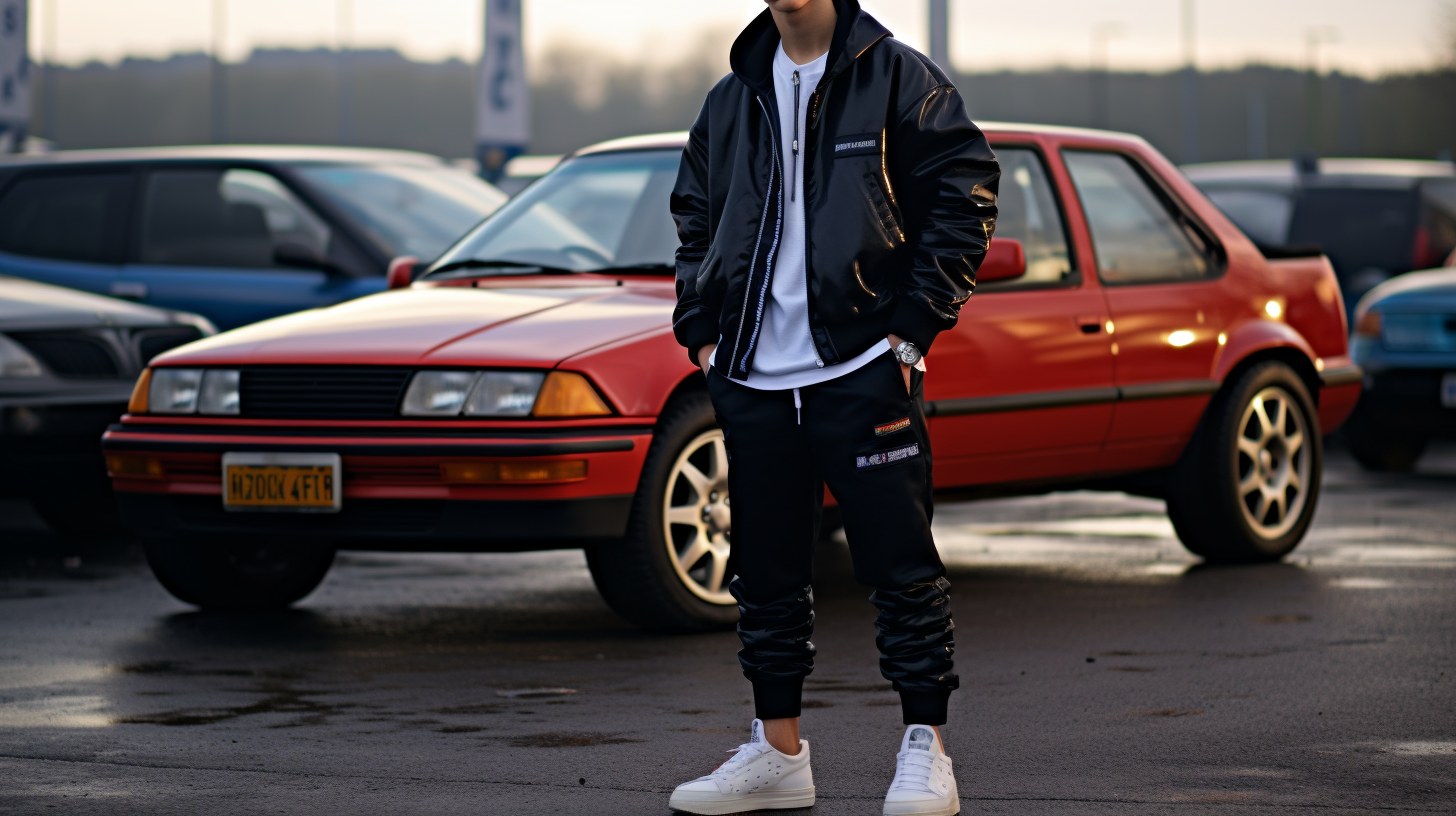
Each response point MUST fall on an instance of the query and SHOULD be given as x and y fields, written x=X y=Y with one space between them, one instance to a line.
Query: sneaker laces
x=912 y=771
x=742 y=755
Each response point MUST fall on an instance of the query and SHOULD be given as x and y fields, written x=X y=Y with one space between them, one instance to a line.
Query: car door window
x=73 y=217
x=228 y=218
x=1136 y=237
x=1027 y=211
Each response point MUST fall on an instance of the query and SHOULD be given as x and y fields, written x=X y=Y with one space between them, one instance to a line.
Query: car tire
x=1380 y=445
x=1245 y=490
x=238 y=576
x=643 y=576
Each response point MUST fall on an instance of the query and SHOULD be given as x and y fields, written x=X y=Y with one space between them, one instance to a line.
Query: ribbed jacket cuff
x=778 y=698
x=694 y=333
x=924 y=707
x=914 y=323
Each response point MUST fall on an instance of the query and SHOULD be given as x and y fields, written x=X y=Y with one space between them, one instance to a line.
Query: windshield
x=407 y=209
x=592 y=213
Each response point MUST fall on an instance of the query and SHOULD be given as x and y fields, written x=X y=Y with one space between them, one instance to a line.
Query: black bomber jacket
x=899 y=199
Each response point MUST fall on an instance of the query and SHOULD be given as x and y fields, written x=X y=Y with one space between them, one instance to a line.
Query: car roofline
x=265 y=154
x=676 y=140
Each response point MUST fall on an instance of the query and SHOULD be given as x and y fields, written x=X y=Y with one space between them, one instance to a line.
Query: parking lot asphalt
x=1103 y=670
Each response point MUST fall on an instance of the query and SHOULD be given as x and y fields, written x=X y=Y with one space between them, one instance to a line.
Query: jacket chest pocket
x=881 y=201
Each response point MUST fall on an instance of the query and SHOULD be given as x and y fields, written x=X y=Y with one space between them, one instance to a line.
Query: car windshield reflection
x=593 y=214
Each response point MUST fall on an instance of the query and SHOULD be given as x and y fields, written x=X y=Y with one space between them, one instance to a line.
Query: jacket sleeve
x=692 y=325
x=950 y=206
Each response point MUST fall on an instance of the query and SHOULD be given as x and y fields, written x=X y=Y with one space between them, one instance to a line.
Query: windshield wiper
x=630 y=268
x=502 y=267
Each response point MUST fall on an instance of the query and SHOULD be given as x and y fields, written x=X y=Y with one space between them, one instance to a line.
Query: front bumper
x=394 y=494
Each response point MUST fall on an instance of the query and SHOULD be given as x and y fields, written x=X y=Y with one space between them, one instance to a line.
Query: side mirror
x=1006 y=260
x=401 y=272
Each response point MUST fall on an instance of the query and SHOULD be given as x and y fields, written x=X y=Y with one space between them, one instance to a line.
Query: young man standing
x=834 y=203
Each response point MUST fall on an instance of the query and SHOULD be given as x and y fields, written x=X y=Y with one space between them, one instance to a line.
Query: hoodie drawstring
x=798 y=404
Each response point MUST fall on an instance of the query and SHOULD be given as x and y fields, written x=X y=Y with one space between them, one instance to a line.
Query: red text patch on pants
x=892 y=427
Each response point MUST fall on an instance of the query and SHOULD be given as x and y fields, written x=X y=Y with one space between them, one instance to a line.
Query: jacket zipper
x=742 y=362
x=794 y=190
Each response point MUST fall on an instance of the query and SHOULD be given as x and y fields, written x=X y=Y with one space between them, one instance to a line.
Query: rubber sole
x=909 y=808
x=711 y=805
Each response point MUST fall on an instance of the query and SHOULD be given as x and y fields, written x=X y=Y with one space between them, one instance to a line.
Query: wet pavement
x=1102 y=671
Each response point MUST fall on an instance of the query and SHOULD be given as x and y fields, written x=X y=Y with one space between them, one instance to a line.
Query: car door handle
x=129 y=290
x=1090 y=324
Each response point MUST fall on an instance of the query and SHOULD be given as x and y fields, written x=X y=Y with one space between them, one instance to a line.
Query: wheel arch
x=1264 y=341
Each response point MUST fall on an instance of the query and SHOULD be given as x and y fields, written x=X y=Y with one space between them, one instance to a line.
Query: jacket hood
x=752 y=54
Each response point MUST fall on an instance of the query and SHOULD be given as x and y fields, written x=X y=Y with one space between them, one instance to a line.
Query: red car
x=524 y=391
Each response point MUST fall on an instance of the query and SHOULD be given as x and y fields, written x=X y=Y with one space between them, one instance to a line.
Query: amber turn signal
x=568 y=394
x=1369 y=325
x=125 y=465
x=138 y=402
x=571 y=470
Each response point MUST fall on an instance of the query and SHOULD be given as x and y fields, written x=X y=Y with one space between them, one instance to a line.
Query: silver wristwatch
x=907 y=353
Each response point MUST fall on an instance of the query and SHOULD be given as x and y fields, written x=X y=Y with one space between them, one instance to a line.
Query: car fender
x=1259 y=335
x=637 y=374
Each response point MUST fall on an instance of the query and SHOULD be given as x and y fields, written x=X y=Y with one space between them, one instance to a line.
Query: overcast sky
x=1389 y=35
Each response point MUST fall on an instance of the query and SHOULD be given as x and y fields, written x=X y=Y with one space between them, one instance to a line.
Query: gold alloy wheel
x=1272 y=462
x=696 y=518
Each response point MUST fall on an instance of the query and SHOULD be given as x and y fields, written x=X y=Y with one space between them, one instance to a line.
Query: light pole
x=345 y=125
x=1190 y=81
x=219 y=72
x=1314 y=39
x=1101 y=101
x=940 y=34
x=49 y=92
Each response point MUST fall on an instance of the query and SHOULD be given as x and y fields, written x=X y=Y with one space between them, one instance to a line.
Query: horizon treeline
x=381 y=99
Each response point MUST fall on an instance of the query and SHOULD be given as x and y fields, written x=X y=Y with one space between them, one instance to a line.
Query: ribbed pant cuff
x=924 y=707
x=778 y=698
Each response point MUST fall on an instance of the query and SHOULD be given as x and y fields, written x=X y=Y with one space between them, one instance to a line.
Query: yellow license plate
x=301 y=482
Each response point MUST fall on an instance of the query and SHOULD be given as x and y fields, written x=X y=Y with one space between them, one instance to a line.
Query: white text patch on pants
x=888 y=457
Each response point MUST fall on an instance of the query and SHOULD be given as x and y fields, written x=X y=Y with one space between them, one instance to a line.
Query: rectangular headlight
x=438 y=393
x=219 y=393
x=504 y=393
x=174 y=390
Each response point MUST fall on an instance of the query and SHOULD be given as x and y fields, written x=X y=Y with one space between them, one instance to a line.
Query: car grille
x=322 y=392
x=1420 y=332
x=72 y=354
x=151 y=342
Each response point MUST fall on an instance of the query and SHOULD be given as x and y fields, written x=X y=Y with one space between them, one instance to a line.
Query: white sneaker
x=924 y=784
x=758 y=777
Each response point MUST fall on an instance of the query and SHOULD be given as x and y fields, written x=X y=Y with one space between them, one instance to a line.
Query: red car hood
x=441 y=326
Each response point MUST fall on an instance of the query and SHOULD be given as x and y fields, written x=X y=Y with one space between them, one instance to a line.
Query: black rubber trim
x=1344 y=375
x=1169 y=390
x=1021 y=402
x=1067 y=399
x=394 y=433
x=412 y=525
x=529 y=449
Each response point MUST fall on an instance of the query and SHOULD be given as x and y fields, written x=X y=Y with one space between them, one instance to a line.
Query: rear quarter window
x=72 y=217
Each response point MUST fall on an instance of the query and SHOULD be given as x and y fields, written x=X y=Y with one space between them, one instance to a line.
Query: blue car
x=236 y=234
x=1405 y=340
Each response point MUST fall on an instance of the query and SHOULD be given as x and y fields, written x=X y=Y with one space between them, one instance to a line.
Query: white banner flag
x=15 y=74
x=503 y=103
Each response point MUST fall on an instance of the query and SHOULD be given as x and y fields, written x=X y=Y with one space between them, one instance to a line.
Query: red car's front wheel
x=670 y=572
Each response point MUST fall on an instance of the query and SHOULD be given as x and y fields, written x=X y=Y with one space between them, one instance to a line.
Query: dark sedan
x=237 y=234
x=68 y=361
x=1374 y=218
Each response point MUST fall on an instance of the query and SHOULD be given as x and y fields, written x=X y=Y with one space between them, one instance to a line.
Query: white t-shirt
x=786 y=357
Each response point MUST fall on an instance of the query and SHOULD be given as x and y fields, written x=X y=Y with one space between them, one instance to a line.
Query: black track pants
x=865 y=437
